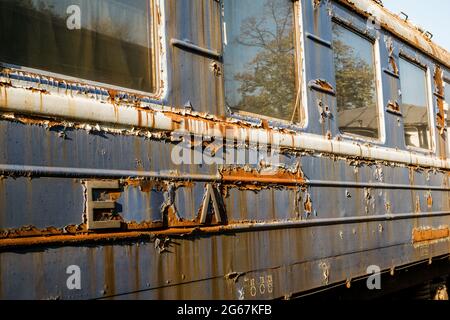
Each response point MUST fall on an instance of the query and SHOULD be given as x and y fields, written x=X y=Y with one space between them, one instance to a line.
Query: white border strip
x=26 y=101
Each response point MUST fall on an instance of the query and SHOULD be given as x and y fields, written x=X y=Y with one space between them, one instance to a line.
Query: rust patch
x=439 y=83
x=394 y=107
x=440 y=116
x=41 y=91
x=135 y=226
x=317 y=3
x=114 y=196
x=175 y=221
x=108 y=237
x=392 y=62
x=62 y=240
x=281 y=176
x=112 y=94
x=139 y=112
x=37 y=121
x=3 y=95
x=145 y=185
x=31 y=232
x=308 y=204
x=430 y=200
x=187 y=120
x=265 y=124
x=418 y=235
x=423 y=235
x=322 y=85
x=418 y=208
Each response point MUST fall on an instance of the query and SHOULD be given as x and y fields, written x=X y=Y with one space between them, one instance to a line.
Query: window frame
x=158 y=63
x=300 y=78
x=429 y=100
x=379 y=93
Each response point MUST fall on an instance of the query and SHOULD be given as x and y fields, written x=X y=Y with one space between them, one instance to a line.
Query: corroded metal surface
x=431 y=234
x=328 y=208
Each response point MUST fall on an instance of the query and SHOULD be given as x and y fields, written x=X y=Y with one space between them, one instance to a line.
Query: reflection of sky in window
x=126 y=19
x=413 y=85
x=237 y=56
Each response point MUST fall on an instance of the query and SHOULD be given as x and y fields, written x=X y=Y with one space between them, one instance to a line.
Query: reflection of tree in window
x=264 y=44
x=414 y=105
x=113 y=45
x=355 y=83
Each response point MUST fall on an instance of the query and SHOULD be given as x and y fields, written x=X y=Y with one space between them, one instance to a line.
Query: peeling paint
x=338 y=164
x=430 y=234
x=254 y=177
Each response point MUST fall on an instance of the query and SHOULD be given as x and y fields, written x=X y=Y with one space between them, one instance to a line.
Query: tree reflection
x=267 y=86
x=355 y=84
x=354 y=78
x=111 y=47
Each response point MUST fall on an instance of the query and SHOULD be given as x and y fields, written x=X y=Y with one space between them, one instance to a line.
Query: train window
x=413 y=82
x=260 y=58
x=356 y=93
x=447 y=104
x=105 y=41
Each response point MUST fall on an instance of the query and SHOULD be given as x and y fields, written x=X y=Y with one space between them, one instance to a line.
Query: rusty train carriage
x=337 y=203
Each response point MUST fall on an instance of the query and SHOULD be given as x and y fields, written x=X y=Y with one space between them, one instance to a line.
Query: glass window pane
x=447 y=104
x=414 y=105
x=107 y=41
x=259 y=57
x=447 y=92
x=354 y=62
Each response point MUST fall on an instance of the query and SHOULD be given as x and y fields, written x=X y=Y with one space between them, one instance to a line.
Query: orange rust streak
x=73 y=230
x=393 y=64
x=276 y=177
x=37 y=121
x=101 y=237
x=430 y=234
x=430 y=201
x=18 y=242
x=325 y=85
x=440 y=117
x=84 y=238
x=394 y=106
